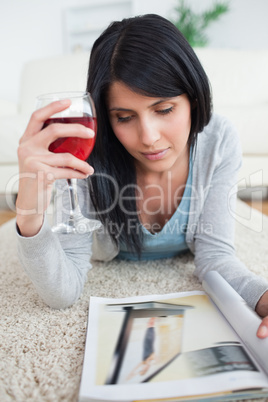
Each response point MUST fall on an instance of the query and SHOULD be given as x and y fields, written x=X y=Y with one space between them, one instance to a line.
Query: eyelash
x=123 y=119
x=165 y=111
x=162 y=112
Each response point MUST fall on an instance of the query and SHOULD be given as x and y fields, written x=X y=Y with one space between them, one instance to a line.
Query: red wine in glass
x=79 y=147
x=81 y=111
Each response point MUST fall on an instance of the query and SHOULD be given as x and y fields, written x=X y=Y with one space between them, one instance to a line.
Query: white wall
x=31 y=29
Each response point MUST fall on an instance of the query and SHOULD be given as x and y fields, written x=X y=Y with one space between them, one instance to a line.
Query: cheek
x=184 y=118
x=119 y=133
x=124 y=136
x=180 y=127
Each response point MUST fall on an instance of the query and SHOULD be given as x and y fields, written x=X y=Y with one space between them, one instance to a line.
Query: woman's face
x=154 y=131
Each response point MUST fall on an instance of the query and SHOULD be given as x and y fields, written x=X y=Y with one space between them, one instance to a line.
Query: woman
x=165 y=169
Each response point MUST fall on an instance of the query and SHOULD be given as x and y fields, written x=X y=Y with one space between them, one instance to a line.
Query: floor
x=6 y=215
x=261 y=206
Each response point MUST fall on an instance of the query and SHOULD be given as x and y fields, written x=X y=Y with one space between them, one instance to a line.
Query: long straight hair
x=149 y=55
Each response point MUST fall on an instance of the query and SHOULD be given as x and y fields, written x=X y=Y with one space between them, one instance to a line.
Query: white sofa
x=240 y=87
x=239 y=82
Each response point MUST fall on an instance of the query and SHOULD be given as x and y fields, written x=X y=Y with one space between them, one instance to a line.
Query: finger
x=41 y=115
x=50 y=176
x=47 y=175
x=263 y=329
x=66 y=160
x=57 y=130
x=65 y=173
x=50 y=160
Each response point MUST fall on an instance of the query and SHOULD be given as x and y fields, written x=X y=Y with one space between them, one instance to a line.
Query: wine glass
x=81 y=111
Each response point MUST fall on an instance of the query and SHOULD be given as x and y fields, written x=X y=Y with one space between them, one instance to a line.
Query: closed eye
x=128 y=118
x=165 y=111
x=123 y=119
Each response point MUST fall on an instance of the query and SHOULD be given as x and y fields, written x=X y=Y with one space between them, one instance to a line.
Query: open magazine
x=183 y=346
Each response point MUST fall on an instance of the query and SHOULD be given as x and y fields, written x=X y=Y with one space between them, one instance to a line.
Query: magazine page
x=163 y=346
x=233 y=306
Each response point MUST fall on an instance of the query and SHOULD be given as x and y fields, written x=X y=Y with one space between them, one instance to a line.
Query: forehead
x=119 y=93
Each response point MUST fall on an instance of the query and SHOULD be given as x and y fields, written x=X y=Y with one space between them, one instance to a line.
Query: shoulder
x=219 y=129
x=218 y=140
x=218 y=154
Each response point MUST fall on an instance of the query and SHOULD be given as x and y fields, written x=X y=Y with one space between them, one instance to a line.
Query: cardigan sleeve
x=213 y=211
x=56 y=264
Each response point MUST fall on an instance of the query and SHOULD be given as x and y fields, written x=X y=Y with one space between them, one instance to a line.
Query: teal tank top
x=171 y=240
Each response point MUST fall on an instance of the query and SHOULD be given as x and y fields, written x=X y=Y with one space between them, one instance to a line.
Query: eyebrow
x=121 y=109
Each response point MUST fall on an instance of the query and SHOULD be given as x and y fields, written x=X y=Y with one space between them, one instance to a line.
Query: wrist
x=29 y=226
x=262 y=305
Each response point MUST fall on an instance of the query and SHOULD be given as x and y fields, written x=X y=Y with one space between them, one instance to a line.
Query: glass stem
x=73 y=199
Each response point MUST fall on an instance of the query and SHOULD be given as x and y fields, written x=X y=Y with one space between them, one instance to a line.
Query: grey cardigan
x=58 y=264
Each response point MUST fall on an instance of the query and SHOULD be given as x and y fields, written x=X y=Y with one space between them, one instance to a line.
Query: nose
x=148 y=132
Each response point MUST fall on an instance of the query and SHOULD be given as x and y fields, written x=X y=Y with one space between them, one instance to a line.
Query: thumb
x=263 y=328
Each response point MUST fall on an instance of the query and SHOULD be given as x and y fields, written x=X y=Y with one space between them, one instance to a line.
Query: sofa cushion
x=240 y=92
x=238 y=77
x=251 y=122
x=11 y=128
x=56 y=74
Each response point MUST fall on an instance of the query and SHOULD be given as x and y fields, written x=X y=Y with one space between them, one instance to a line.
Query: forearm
x=250 y=286
x=30 y=206
x=262 y=305
x=29 y=226
x=262 y=310
x=58 y=275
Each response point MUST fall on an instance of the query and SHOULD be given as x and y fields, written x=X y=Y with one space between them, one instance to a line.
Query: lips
x=153 y=156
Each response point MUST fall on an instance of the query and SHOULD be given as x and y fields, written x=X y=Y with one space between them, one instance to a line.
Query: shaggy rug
x=41 y=350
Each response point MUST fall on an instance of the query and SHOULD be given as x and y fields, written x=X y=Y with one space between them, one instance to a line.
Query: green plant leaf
x=193 y=25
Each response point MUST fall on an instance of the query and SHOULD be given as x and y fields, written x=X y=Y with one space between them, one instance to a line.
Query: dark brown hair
x=151 y=56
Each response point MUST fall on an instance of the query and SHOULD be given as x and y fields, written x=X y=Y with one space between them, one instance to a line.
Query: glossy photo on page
x=164 y=346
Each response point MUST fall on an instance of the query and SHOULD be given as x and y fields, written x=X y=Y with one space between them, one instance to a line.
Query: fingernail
x=91 y=132
x=263 y=331
x=64 y=102
x=91 y=171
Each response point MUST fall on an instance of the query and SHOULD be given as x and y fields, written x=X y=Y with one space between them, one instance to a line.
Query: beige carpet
x=41 y=350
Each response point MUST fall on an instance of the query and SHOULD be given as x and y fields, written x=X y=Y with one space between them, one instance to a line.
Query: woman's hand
x=39 y=167
x=262 y=310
